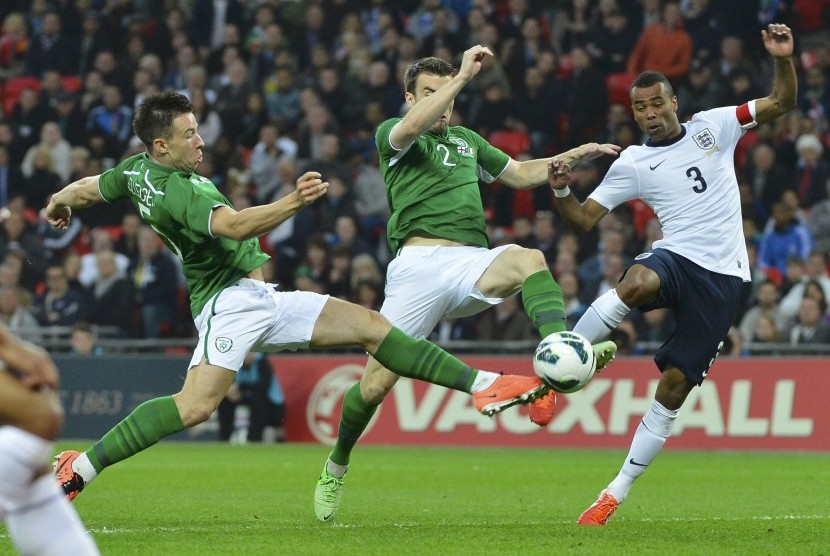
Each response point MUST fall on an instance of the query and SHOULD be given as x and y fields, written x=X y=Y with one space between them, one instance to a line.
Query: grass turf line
x=184 y=498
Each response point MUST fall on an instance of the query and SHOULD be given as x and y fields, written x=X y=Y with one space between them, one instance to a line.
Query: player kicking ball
x=234 y=310
x=686 y=173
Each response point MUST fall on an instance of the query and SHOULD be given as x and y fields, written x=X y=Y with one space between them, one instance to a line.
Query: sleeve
x=385 y=149
x=113 y=183
x=619 y=185
x=491 y=160
x=194 y=208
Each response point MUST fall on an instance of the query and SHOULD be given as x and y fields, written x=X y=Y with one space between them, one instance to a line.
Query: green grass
x=184 y=498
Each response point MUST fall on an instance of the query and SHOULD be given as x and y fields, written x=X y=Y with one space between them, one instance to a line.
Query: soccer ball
x=565 y=362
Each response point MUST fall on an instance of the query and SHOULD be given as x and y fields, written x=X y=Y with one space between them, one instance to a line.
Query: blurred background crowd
x=283 y=86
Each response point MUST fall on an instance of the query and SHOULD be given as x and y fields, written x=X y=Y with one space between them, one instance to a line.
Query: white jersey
x=690 y=183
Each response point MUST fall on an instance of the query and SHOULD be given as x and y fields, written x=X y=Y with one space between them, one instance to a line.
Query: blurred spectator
x=94 y=39
x=586 y=99
x=28 y=116
x=232 y=99
x=111 y=297
x=339 y=273
x=347 y=234
x=266 y=157
x=732 y=59
x=814 y=96
x=257 y=387
x=766 y=331
x=766 y=299
x=365 y=269
x=700 y=91
x=83 y=340
x=368 y=294
x=611 y=44
x=14 y=46
x=574 y=307
x=768 y=179
x=59 y=149
x=282 y=97
x=128 y=241
x=809 y=327
x=100 y=240
x=13 y=312
x=808 y=286
x=812 y=171
x=210 y=125
x=155 y=278
x=59 y=305
x=818 y=220
x=11 y=178
x=544 y=234
x=16 y=236
x=43 y=181
x=112 y=119
x=706 y=25
x=665 y=47
x=787 y=238
x=52 y=49
x=208 y=20
x=336 y=203
x=507 y=322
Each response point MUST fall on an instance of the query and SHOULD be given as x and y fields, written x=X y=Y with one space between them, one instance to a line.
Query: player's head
x=424 y=77
x=165 y=123
x=655 y=106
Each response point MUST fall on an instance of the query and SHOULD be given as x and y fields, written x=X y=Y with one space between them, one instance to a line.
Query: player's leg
x=517 y=268
x=639 y=286
x=38 y=518
x=228 y=327
x=203 y=389
x=705 y=304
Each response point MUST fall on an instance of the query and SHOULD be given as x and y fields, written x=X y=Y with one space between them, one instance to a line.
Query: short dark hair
x=649 y=78
x=154 y=116
x=429 y=65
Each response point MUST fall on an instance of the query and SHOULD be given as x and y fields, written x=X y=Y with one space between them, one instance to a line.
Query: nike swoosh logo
x=652 y=168
x=328 y=517
x=632 y=462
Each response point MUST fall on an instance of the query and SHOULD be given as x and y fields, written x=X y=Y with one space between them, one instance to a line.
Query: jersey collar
x=667 y=142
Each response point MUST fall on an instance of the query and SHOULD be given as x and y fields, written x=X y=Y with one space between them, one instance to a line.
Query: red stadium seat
x=12 y=89
x=513 y=143
x=619 y=85
x=71 y=83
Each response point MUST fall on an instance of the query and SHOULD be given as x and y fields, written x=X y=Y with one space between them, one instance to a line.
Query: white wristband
x=564 y=192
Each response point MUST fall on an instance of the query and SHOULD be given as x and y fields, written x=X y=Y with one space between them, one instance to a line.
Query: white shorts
x=425 y=284
x=250 y=315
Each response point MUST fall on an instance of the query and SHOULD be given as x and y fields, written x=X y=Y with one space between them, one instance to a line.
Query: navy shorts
x=704 y=304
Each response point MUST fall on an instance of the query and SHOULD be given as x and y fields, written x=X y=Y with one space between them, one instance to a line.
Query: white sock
x=335 y=469
x=652 y=433
x=603 y=316
x=46 y=524
x=22 y=456
x=83 y=467
x=483 y=381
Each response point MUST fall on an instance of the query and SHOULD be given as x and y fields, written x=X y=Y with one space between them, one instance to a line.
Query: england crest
x=704 y=139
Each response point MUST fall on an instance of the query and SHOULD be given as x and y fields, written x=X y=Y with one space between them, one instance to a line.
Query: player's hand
x=311 y=187
x=559 y=174
x=471 y=61
x=590 y=151
x=778 y=40
x=58 y=215
x=33 y=363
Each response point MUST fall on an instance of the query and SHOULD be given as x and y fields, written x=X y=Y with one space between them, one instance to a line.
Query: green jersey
x=178 y=206
x=432 y=185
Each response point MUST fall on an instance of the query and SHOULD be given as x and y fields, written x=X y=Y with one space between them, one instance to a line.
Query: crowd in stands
x=282 y=86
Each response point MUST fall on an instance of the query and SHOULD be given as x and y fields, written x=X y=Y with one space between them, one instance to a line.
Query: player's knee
x=530 y=261
x=638 y=288
x=193 y=412
x=371 y=335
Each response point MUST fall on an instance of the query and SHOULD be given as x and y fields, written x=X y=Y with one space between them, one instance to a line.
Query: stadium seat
x=12 y=89
x=513 y=143
x=71 y=83
x=619 y=85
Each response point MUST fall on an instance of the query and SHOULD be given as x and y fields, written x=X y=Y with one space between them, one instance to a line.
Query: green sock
x=146 y=425
x=354 y=417
x=542 y=298
x=424 y=360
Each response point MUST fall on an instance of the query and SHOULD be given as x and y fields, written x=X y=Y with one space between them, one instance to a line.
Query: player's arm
x=580 y=217
x=778 y=40
x=528 y=174
x=77 y=195
x=255 y=221
x=423 y=114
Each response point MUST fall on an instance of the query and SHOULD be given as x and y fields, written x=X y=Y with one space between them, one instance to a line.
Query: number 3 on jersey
x=145 y=215
x=694 y=173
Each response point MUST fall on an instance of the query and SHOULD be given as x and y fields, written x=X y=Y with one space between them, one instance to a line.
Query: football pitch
x=189 y=498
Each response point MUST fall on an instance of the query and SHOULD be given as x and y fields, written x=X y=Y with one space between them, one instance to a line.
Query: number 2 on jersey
x=446 y=155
